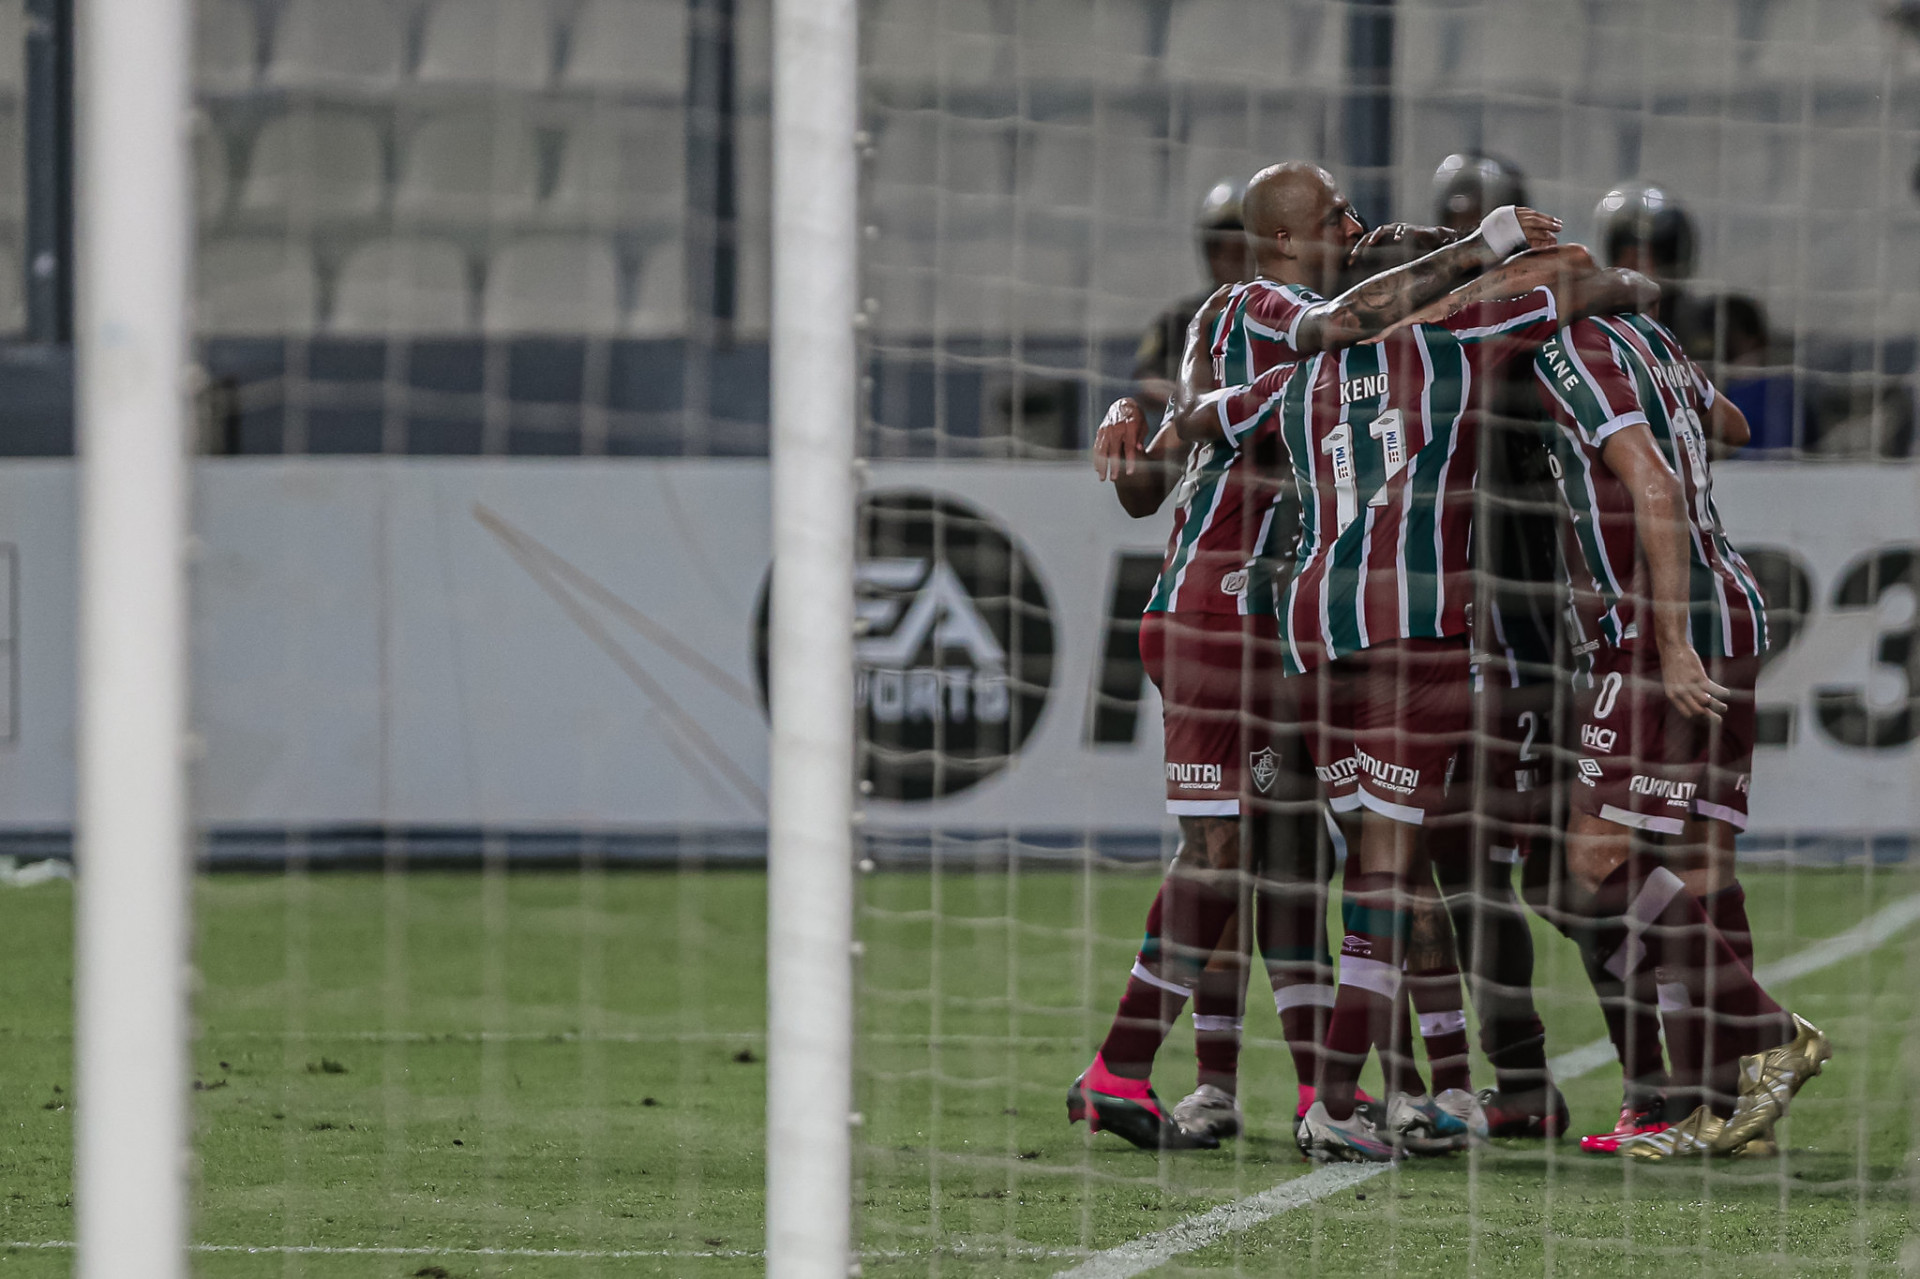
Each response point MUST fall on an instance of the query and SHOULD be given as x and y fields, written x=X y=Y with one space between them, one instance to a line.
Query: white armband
x=1501 y=228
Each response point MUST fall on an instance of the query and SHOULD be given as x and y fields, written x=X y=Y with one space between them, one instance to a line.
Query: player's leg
x=1645 y=919
x=1291 y=907
x=1409 y=716
x=1507 y=773
x=1213 y=1107
x=1195 y=662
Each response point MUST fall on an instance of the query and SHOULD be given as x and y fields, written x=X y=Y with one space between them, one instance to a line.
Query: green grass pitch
x=574 y=1062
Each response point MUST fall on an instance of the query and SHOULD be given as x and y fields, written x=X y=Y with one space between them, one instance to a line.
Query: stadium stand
x=1030 y=167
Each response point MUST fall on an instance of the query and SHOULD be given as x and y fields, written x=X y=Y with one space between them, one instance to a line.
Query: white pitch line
x=351 y=1250
x=1152 y=1251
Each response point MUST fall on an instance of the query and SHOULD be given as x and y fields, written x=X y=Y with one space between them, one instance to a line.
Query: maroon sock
x=1218 y=1002
x=1439 y=1002
x=1660 y=926
x=1393 y=1037
x=1293 y=945
x=1728 y=911
x=1184 y=926
x=1369 y=990
x=1149 y=1006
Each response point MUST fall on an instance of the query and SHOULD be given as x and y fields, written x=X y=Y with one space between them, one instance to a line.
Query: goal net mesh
x=480 y=619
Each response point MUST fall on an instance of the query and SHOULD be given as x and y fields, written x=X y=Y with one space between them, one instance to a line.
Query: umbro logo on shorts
x=1264 y=765
x=1591 y=772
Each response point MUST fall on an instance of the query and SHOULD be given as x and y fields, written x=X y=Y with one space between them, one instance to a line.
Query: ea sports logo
x=954 y=650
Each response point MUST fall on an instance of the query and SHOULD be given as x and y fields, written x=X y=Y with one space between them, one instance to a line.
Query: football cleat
x=1211 y=1111
x=1693 y=1137
x=1418 y=1126
x=1538 y=1113
x=1769 y=1080
x=1641 y=1118
x=1366 y=1107
x=1324 y=1139
x=1465 y=1107
x=1129 y=1109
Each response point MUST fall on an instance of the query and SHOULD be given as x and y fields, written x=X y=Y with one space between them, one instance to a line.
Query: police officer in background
x=1223 y=247
x=1468 y=185
x=1646 y=228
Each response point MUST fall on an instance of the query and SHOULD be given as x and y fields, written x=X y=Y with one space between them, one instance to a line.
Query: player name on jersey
x=1599 y=377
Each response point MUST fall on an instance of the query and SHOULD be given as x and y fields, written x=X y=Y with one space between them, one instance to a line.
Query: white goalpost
x=809 y=853
x=134 y=244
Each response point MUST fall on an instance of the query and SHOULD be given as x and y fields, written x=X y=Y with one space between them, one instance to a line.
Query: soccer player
x=1667 y=728
x=1213 y=658
x=1382 y=442
x=1666 y=725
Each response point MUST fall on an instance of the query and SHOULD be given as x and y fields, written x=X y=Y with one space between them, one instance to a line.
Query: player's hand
x=1414 y=240
x=1121 y=439
x=1688 y=688
x=1542 y=231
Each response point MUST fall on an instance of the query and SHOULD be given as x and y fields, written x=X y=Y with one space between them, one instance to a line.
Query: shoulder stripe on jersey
x=1544 y=311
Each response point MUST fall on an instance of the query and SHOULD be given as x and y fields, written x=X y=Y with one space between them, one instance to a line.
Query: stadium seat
x=631 y=46
x=314 y=165
x=903 y=295
x=926 y=164
x=973 y=292
x=1498 y=47
x=470 y=168
x=958 y=43
x=403 y=287
x=212 y=177
x=255 y=285
x=13 y=294
x=1083 y=40
x=226 y=45
x=337 y=43
x=1682 y=153
x=660 y=298
x=1135 y=275
x=13 y=44
x=508 y=43
x=620 y=166
x=1270 y=44
x=1120 y=169
x=1821 y=42
x=553 y=284
x=753 y=277
x=1050 y=287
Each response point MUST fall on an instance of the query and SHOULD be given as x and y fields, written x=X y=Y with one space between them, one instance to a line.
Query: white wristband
x=1501 y=229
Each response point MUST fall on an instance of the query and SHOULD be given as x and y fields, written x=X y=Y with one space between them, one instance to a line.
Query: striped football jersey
x=1222 y=508
x=1599 y=377
x=1384 y=449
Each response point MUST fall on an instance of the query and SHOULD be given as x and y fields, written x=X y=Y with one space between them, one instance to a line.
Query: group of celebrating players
x=1371 y=647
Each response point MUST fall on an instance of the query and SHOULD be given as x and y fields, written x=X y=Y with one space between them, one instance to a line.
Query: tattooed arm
x=1580 y=288
x=1369 y=307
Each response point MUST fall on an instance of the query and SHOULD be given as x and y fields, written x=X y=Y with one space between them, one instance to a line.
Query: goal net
x=483 y=635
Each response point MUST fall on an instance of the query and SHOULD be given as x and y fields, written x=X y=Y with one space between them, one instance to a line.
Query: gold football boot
x=1692 y=1137
x=1769 y=1080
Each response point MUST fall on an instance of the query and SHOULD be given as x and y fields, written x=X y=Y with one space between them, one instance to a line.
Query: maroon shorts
x=1509 y=770
x=1644 y=764
x=1216 y=673
x=1385 y=725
